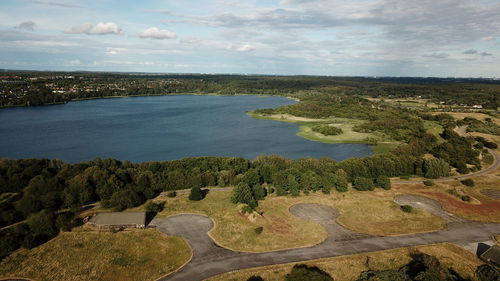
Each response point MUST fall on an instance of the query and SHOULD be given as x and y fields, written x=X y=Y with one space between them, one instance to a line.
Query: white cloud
x=155 y=33
x=114 y=51
x=28 y=25
x=100 y=29
x=191 y=41
x=242 y=48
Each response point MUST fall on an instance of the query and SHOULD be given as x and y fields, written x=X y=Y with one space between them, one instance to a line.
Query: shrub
x=407 y=208
x=246 y=209
x=258 y=230
x=383 y=182
x=428 y=182
x=171 y=194
x=468 y=182
x=487 y=272
x=196 y=194
x=302 y=272
x=255 y=278
x=327 y=130
x=465 y=198
x=154 y=207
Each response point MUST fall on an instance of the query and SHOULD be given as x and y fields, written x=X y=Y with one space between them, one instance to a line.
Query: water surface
x=158 y=128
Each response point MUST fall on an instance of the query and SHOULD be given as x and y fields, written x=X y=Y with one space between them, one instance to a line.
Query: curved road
x=209 y=259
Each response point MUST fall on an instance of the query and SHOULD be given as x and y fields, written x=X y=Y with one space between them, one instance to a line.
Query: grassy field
x=283 y=230
x=384 y=144
x=85 y=254
x=347 y=268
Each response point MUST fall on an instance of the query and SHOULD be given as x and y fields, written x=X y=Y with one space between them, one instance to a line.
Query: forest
x=36 y=88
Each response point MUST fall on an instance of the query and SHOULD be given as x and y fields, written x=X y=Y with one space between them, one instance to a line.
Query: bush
x=246 y=209
x=327 y=130
x=258 y=230
x=407 y=208
x=154 y=207
x=465 y=198
x=468 y=182
x=383 y=182
x=428 y=182
x=196 y=194
x=172 y=194
x=302 y=272
x=487 y=272
x=255 y=278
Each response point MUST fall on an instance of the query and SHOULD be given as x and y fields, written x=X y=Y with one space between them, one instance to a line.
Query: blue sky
x=315 y=37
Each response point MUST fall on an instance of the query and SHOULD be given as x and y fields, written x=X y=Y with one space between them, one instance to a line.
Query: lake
x=158 y=128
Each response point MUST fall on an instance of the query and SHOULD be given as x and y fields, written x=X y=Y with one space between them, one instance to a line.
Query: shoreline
x=149 y=95
x=304 y=128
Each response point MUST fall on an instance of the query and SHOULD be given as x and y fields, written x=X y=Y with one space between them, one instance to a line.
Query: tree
x=302 y=272
x=242 y=193
x=435 y=168
x=293 y=185
x=383 y=182
x=363 y=184
x=340 y=180
x=259 y=192
x=124 y=199
x=196 y=194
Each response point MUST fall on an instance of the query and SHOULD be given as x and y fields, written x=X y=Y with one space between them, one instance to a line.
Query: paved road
x=210 y=259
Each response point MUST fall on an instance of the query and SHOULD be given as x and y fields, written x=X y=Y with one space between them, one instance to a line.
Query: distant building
x=119 y=220
x=492 y=255
x=478 y=106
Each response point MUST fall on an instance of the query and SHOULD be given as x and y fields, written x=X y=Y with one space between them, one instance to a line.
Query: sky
x=439 y=38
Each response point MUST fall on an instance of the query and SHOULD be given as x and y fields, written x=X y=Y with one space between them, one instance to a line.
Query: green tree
x=196 y=194
x=363 y=184
x=293 y=185
x=242 y=193
x=435 y=168
x=340 y=180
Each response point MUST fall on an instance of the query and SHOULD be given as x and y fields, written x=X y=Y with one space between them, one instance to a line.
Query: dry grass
x=361 y=211
x=347 y=268
x=462 y=115
x=85 y=254
x=481 y=208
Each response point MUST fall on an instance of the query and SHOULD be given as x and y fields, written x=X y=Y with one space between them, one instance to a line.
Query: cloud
x=191 y=41
x=28 y=25
x=476 y=52
x=57 y=4
x=242 y=48
x=470 y=52
x=437 y=55
x=114 y=51
x=100 y=29
x=155 y=33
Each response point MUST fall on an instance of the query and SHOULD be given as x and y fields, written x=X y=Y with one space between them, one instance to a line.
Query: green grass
x=85 y=254
x=384 y=143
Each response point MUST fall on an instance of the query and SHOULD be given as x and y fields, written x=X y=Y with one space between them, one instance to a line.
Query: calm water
x=157 y=128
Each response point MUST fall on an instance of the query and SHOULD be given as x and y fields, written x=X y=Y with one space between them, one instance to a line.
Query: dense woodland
x=44 y=195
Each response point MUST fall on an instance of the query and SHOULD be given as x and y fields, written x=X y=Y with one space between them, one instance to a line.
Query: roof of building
x=492 y=255
x=119 y=218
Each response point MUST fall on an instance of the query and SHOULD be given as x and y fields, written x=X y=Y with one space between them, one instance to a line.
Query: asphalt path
x=209 y=259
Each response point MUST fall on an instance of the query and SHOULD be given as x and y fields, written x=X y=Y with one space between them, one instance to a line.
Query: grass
x=85 y=254
x=347 y=268
x=384 y=143
x=481 y=208
x=283 y=230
